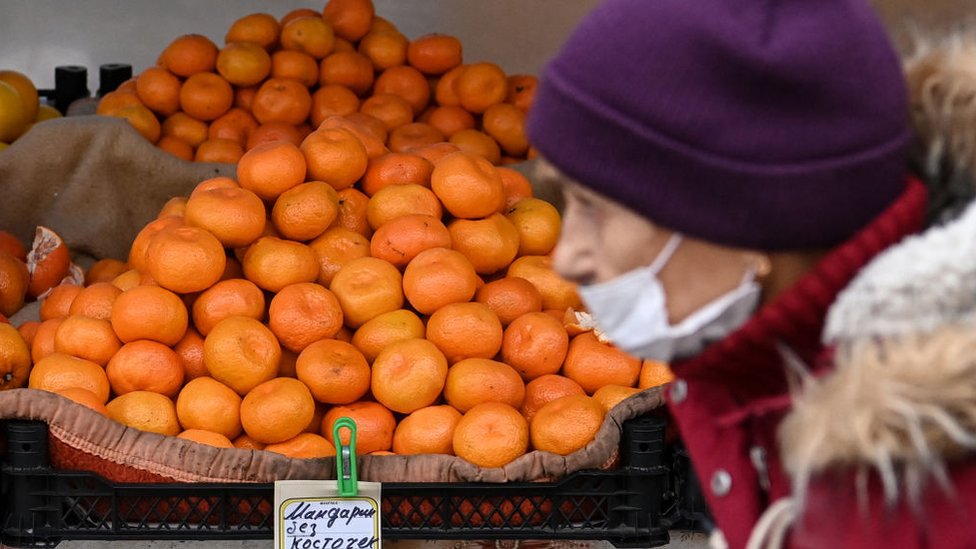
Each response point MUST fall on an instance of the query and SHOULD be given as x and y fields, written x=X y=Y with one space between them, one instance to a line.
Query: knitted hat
x=769 y=125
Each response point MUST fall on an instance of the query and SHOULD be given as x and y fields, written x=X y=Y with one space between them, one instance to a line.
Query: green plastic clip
x=346 y=458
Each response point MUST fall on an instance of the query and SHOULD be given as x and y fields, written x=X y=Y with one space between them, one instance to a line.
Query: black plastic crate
x=633 y=505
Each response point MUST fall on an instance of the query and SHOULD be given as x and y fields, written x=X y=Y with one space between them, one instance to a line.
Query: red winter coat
x=729 y=401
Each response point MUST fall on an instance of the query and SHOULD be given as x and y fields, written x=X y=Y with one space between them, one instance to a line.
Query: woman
x=728 y=169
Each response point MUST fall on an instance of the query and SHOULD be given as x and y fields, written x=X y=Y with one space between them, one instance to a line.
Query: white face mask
x=631 y=309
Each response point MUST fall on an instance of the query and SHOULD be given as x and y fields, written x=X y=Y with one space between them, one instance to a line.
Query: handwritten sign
x=311 y=515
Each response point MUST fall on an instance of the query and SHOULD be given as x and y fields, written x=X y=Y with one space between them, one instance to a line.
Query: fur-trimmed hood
x=902 y=399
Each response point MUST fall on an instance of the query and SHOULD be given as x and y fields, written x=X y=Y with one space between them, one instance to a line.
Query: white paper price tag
x=309 y=514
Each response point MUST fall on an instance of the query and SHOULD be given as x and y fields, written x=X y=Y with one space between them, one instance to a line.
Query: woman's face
x=601 y=239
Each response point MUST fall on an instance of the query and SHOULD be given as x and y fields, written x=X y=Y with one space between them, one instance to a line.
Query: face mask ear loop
x=665 y=254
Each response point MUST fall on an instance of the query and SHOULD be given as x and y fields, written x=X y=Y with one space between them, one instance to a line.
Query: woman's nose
x=572 y=258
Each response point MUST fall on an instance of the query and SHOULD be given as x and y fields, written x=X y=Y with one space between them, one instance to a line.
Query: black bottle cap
x=70 y=84
x=111 y=75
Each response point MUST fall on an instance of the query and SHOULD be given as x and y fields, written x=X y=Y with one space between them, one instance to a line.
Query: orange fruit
x=226 y=151
x=545 y=389
x=146 y=411
x=408 y=83
x=205 y=403
x=408 y=375
x=428 y=430
x=352 y=212
x=176 y=147
x=28 y=329
x=88 y=338
x=236 y=216
x=450 y=120
x=243 y=63
x=351 y=19
x=517 y=186
x=295 y=65
x=247 y=443
x=301 y=314
x=396 y=168
x=303 y=446
x=366 y=288
x=538 y=224
x=185 y=259
x=286 y=366
x=175 y=207
x=400 y=200
x=184 y=127
x=347 y=68
x=491 y=434
x=392 y=109
x=335 y=156
x=132 y=278
x=206 y=437
x=335 y=372
x=379 y=24
x=48 y=261
x=190 y=351
x=43 y=343
x=311 y=35
x=273 y=263
x=407 y=137
x=386 y=329
x=445 y=93
x=370 y=130
x=14 y=282
x=271 y=132
x=374 y=425
x=59 y=371
x=236 y=125
x=85 y=398
x=490 y=243
x=557 y=292
x=26 y=91
x=282 y=100
x=505 y=123
x=137 y=253
x=468 y=185
x=481 y=85
x=159 y=90
x=434 y=53
x=12 y=245
x=305 y=211
x=206 y=96
x=475 y=381
x=144 y=365
x=465 y=330
x=436 y=152
x=189 y=54
x=438 y=277
x=115 y=100
x=149 y=312
x=566 y=424
x=400 y=239
x=510 y=298
x=593 y=364
x=241 y=353
x=15 y=358
x=478 y=143
x=277 y=410
x=233 y=297
x=610 y=395
x=654 y=373
x=521 y=90
x=296 y=13
x=535 y=344
x=336 y=247
x=332 y=100
x=384 y=48
x=256 y=28
x=271 y=168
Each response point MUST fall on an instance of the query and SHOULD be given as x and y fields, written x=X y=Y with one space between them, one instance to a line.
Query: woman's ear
x=761 y=265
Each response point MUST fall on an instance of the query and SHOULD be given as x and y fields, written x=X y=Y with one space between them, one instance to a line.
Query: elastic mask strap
x=665 y=254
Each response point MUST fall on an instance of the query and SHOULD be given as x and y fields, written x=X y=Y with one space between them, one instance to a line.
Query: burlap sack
x=86 y=440
x=92 y=179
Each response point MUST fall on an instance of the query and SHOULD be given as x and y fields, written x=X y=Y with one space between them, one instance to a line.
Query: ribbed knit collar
x=749 y=361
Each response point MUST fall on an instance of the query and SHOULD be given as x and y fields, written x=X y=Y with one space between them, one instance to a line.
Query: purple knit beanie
x=772 y=125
